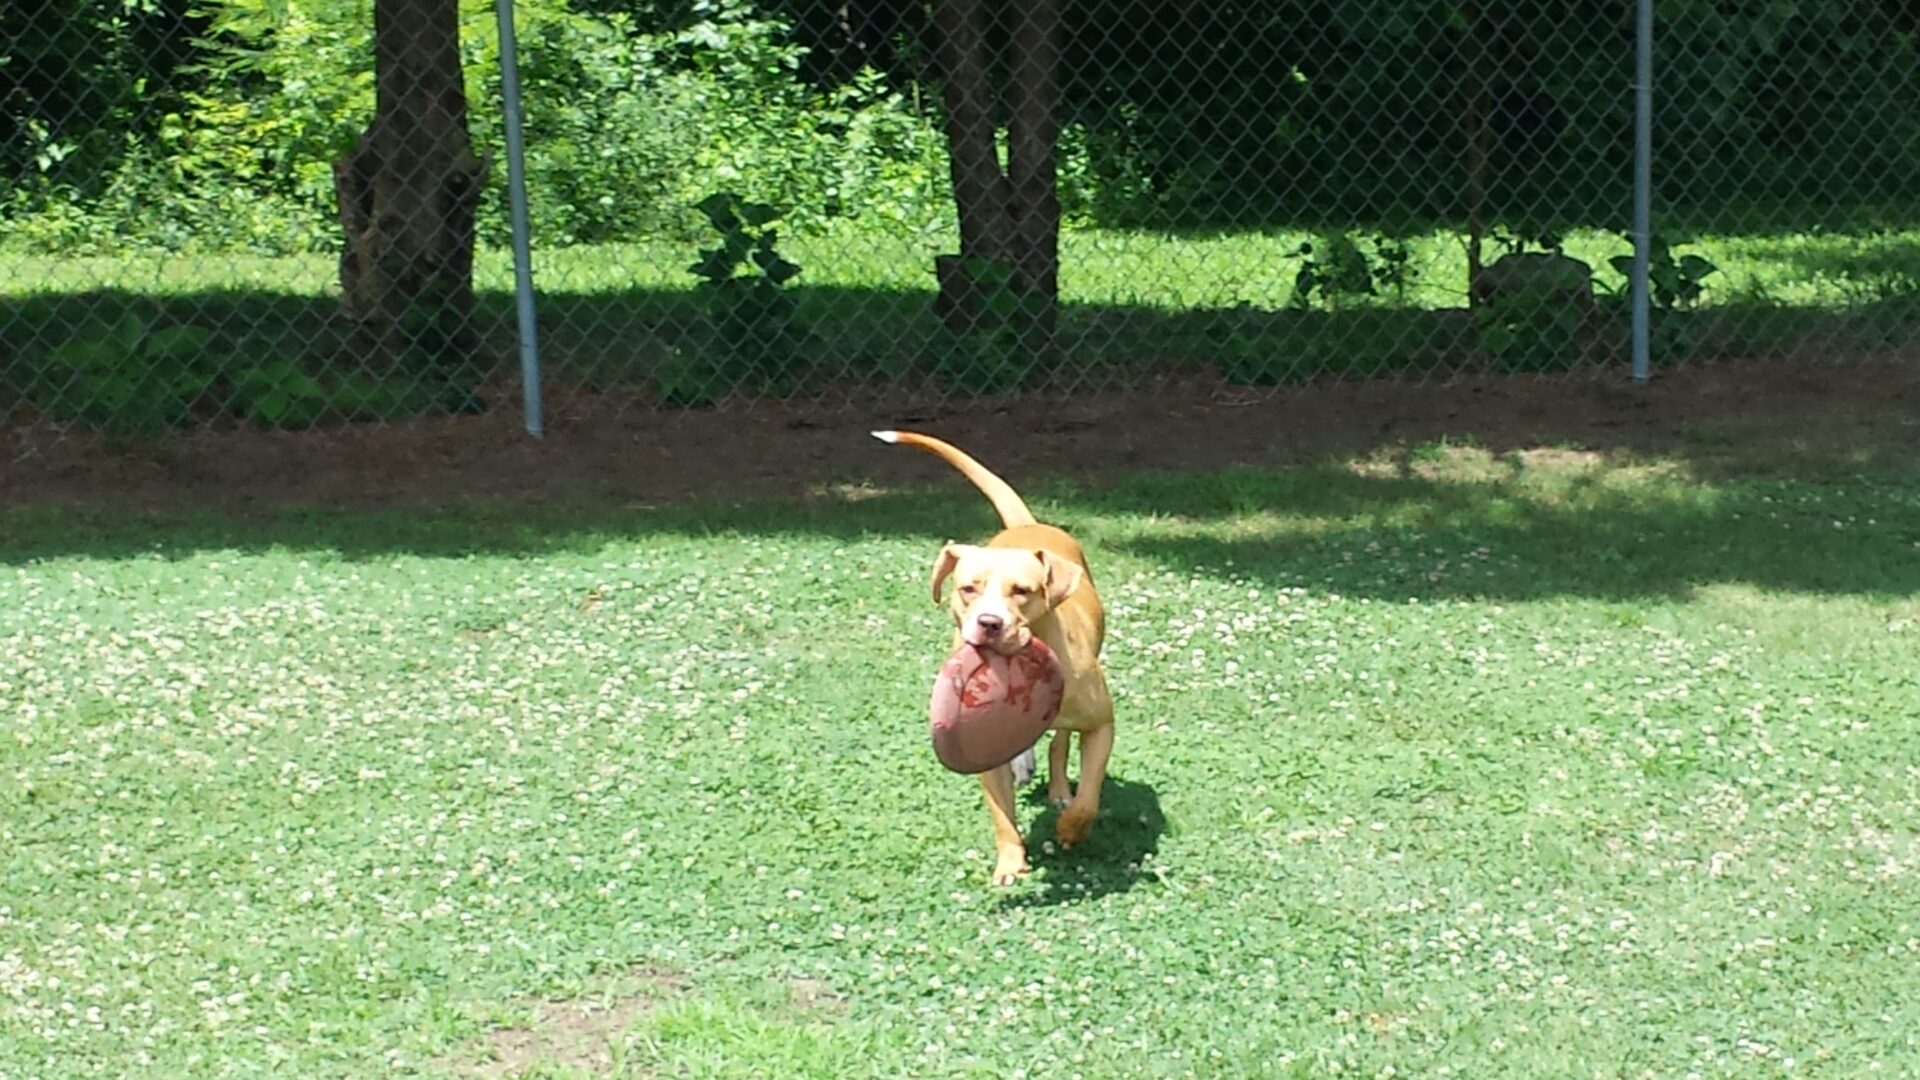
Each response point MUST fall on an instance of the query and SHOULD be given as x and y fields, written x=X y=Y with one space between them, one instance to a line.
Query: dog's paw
x=1074 y=824
x=1009 y=868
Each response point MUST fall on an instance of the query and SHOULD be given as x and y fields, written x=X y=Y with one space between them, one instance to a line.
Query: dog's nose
x=989 y=624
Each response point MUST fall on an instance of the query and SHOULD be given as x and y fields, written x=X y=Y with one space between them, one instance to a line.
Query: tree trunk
x=1009 y=219
x=407 y=192
x=981 y=194
x=1033 y=140
x=1476 y=81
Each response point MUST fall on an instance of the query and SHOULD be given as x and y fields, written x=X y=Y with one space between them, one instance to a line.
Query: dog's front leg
x=1010 y=859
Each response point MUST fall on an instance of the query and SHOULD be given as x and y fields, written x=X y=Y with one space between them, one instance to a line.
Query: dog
x=1030 y=580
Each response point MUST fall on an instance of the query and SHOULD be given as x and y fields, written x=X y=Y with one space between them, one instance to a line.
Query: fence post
x=517 y=209
x=1642 y=186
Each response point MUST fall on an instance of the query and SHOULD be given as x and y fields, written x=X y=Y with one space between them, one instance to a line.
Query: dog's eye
x=1021 y=590
x=969 y=590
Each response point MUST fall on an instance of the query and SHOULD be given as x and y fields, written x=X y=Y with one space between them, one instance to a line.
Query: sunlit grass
x=1437 y=764
x=1099 y=267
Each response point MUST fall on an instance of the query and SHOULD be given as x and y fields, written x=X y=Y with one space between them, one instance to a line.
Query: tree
x=86 y=83
x=1009 y=219
x=407 y=191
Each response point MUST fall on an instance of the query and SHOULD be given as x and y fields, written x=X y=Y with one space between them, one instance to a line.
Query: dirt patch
x=582 y=1035
x=1751 y=416
x=1560 y=459
x=574 y=1035
x=812 y=995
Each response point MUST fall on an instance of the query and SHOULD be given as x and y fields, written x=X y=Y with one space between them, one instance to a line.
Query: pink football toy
x=987 y=708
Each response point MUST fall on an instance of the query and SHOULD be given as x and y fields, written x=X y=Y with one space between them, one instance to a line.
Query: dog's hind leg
x=1024 y=767
x=1076 y=821
x=1059 y=788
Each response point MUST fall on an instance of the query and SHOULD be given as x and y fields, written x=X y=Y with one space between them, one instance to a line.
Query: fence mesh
x=291 y=213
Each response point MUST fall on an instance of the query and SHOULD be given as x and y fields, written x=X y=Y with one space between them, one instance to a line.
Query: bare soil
x=579 y=1036
x=585 y=1035
x=1784 y=415
x=574 y=1035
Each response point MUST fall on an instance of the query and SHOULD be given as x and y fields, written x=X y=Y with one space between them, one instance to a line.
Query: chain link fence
x=295 y=213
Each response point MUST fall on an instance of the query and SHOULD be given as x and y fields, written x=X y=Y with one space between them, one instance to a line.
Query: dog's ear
x=943 y=565
x=1063 y=576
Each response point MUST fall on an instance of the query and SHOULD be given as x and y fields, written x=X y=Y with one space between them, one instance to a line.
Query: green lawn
x=1530 y=767
x=624 y=318
x=1099 y=267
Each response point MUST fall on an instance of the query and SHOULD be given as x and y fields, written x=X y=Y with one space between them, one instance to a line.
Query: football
x=988 y=707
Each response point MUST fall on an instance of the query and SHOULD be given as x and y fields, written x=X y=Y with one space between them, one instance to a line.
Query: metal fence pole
x=1642 y=187
x=517 y=208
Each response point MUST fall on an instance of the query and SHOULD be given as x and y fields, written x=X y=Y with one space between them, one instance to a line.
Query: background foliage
x=1260 y=193
x=222 y=134
x=211 y=125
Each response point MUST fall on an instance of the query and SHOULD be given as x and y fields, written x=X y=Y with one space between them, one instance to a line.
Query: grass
x=1140 y=269
x=619 y=315
x=1444 y=765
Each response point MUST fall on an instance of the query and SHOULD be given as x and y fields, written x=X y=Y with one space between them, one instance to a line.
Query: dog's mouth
x=1003 y=639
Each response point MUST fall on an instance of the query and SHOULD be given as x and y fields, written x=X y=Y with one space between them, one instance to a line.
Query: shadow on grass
x=1330 y=527
x=1405 y=537
x=469 y=530
x=1114 y=858
x=628 y=341
x=1390 y=535
x=637 y=341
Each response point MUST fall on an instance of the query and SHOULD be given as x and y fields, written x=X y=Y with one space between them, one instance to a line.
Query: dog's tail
x=1007 y=502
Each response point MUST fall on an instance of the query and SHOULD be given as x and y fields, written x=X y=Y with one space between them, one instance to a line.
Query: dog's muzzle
x=990 y=630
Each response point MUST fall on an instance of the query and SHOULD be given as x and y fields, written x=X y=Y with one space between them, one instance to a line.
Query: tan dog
x=1030 y=579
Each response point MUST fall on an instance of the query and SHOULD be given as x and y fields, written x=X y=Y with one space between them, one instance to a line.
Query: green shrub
x=626 y=128
x=130 y=379
x=997 y=355
x=757 y=341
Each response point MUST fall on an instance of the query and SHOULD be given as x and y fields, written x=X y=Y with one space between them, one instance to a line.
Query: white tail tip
x=887 y=436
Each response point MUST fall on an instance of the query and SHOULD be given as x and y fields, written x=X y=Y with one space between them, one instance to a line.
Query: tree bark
x=981 y=194
x=1011 y=217
x=407 y=192
x=1475 y=80
x=1033 y=142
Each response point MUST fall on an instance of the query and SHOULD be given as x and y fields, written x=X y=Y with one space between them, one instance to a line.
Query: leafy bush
x=1677 y=283
x=141 y=376
x=213 y=123
x=131 y=379
x=997 y=355
x=280 y=394
x=1676 y=286
x=1333 y=269
x=757 y=340
x=625 y=127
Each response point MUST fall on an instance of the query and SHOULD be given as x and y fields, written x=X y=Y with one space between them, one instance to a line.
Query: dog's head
x=999 y=593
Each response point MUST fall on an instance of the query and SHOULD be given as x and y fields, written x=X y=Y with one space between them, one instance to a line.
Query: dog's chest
x=1084 y=703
